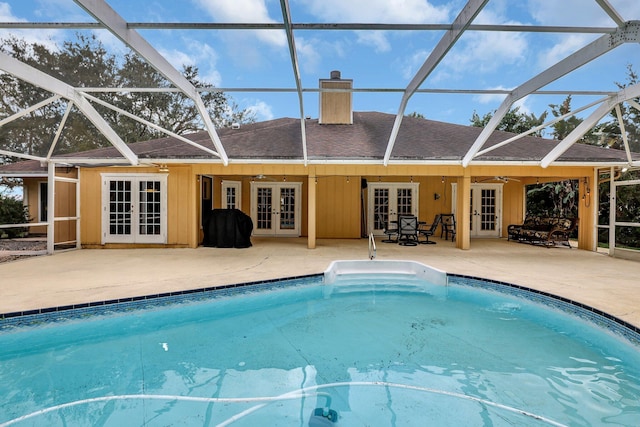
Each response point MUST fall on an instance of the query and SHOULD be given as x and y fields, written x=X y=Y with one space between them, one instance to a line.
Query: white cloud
x=43 y=37
x=579 y=12
x=261 y=109
x=250 y=11
x=487 y=51
x=197 y=54
x=6 y=15
x=308 y=56
x=377 y=39
x=412 y=64
x=568 y=45
x=377 y=11
x=491 y=98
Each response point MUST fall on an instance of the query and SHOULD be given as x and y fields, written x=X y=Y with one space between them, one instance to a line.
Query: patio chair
x=448 y=226
x=428 y=230
x=408 y=230
x=390 y=229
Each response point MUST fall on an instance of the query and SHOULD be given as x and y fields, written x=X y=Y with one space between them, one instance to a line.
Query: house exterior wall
x=65 y=205
x=339 y=197
x=31 y=188
x=182 y=230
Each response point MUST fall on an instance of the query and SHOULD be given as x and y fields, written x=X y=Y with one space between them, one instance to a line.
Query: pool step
x=405 y=269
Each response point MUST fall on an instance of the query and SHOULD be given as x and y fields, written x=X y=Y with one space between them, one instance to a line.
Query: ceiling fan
x=504 y=179
x=262 y=177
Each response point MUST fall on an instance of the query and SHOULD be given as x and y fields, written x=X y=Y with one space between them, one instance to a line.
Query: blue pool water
x=371 y=351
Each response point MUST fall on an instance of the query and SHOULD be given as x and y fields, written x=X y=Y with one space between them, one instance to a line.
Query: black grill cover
x=227 y=228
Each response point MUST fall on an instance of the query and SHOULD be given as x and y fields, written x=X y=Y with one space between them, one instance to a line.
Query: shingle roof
x=365 y=139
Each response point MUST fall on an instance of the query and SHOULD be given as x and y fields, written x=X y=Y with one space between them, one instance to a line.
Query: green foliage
x=562 y=128
x=12 y=211
x=611 y=132
x=553 y=199
x=514 y=121
x=627 y=208
x=85 y=62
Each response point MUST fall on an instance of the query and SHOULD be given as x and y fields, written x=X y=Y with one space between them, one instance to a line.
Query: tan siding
x=513 y=205
x=90 y=205
x=32 y=189
x=338 y=207
x=335 y=107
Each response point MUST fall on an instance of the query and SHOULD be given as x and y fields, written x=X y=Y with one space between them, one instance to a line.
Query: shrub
x=12 y=211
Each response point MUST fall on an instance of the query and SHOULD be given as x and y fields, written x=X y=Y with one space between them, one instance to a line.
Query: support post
x=51 y=206
x=463 y=206
x=612 y=211
x=311 y=209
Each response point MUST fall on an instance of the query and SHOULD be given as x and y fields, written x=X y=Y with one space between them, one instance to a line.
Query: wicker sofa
x=543 y=230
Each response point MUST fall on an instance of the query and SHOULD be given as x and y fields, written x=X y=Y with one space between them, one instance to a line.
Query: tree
x=12 y=211
x=562 y=128
x=514 y=121
x=85 y=62
x=611 y=130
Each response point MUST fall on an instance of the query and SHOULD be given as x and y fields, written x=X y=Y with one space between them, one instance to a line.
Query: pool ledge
x=421 y=271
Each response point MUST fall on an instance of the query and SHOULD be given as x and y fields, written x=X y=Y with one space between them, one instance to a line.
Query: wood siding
x=339 y=196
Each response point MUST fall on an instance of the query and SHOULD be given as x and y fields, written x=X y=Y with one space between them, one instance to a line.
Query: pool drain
x=322 y=417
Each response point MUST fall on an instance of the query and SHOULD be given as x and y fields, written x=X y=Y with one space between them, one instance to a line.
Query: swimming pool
x=371 y=350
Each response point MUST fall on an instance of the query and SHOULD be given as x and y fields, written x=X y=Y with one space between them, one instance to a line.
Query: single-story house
x=338 y=188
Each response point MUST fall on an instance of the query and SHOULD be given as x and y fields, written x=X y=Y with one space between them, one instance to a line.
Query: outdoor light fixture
x=163 y=168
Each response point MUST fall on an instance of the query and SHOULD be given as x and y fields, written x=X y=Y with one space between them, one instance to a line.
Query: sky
x=373 y=59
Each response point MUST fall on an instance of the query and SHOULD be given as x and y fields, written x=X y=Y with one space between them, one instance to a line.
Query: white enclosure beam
x=286 y=16
x=59 y=131
x=101 y=11
x=150 y=124
x=588 y=53
x=623 y=133
x=461 y=23
x=604 y=109
x=613 y=14
x=542 y=126
x=29 y=110
x=22 y=155
x=38 y=78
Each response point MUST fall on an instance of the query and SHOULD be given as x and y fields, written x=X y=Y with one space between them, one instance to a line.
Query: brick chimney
x=336 y=107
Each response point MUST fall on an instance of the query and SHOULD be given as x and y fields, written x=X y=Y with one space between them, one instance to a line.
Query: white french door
x=485 y=209
x=275 y=208
x=231 y=195
x=388 y=200
x=134 y=208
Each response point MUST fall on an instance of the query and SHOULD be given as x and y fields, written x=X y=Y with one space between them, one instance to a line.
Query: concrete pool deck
x=608 y=284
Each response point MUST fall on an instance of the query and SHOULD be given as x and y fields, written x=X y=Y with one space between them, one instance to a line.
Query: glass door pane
x=380 y=208
x=264 y=205
x=488 y=210
x=287 y=208
x=120 y=208
x=404 y=201
x=149 y=217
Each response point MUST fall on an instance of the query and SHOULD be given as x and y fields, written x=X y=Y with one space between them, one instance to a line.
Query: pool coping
x=35 y=317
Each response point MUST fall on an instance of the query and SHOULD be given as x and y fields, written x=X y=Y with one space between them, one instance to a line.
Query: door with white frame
x=485 y=209
x=231 y=194
x=134 y=208
x=388 y=200
x=276 y=208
